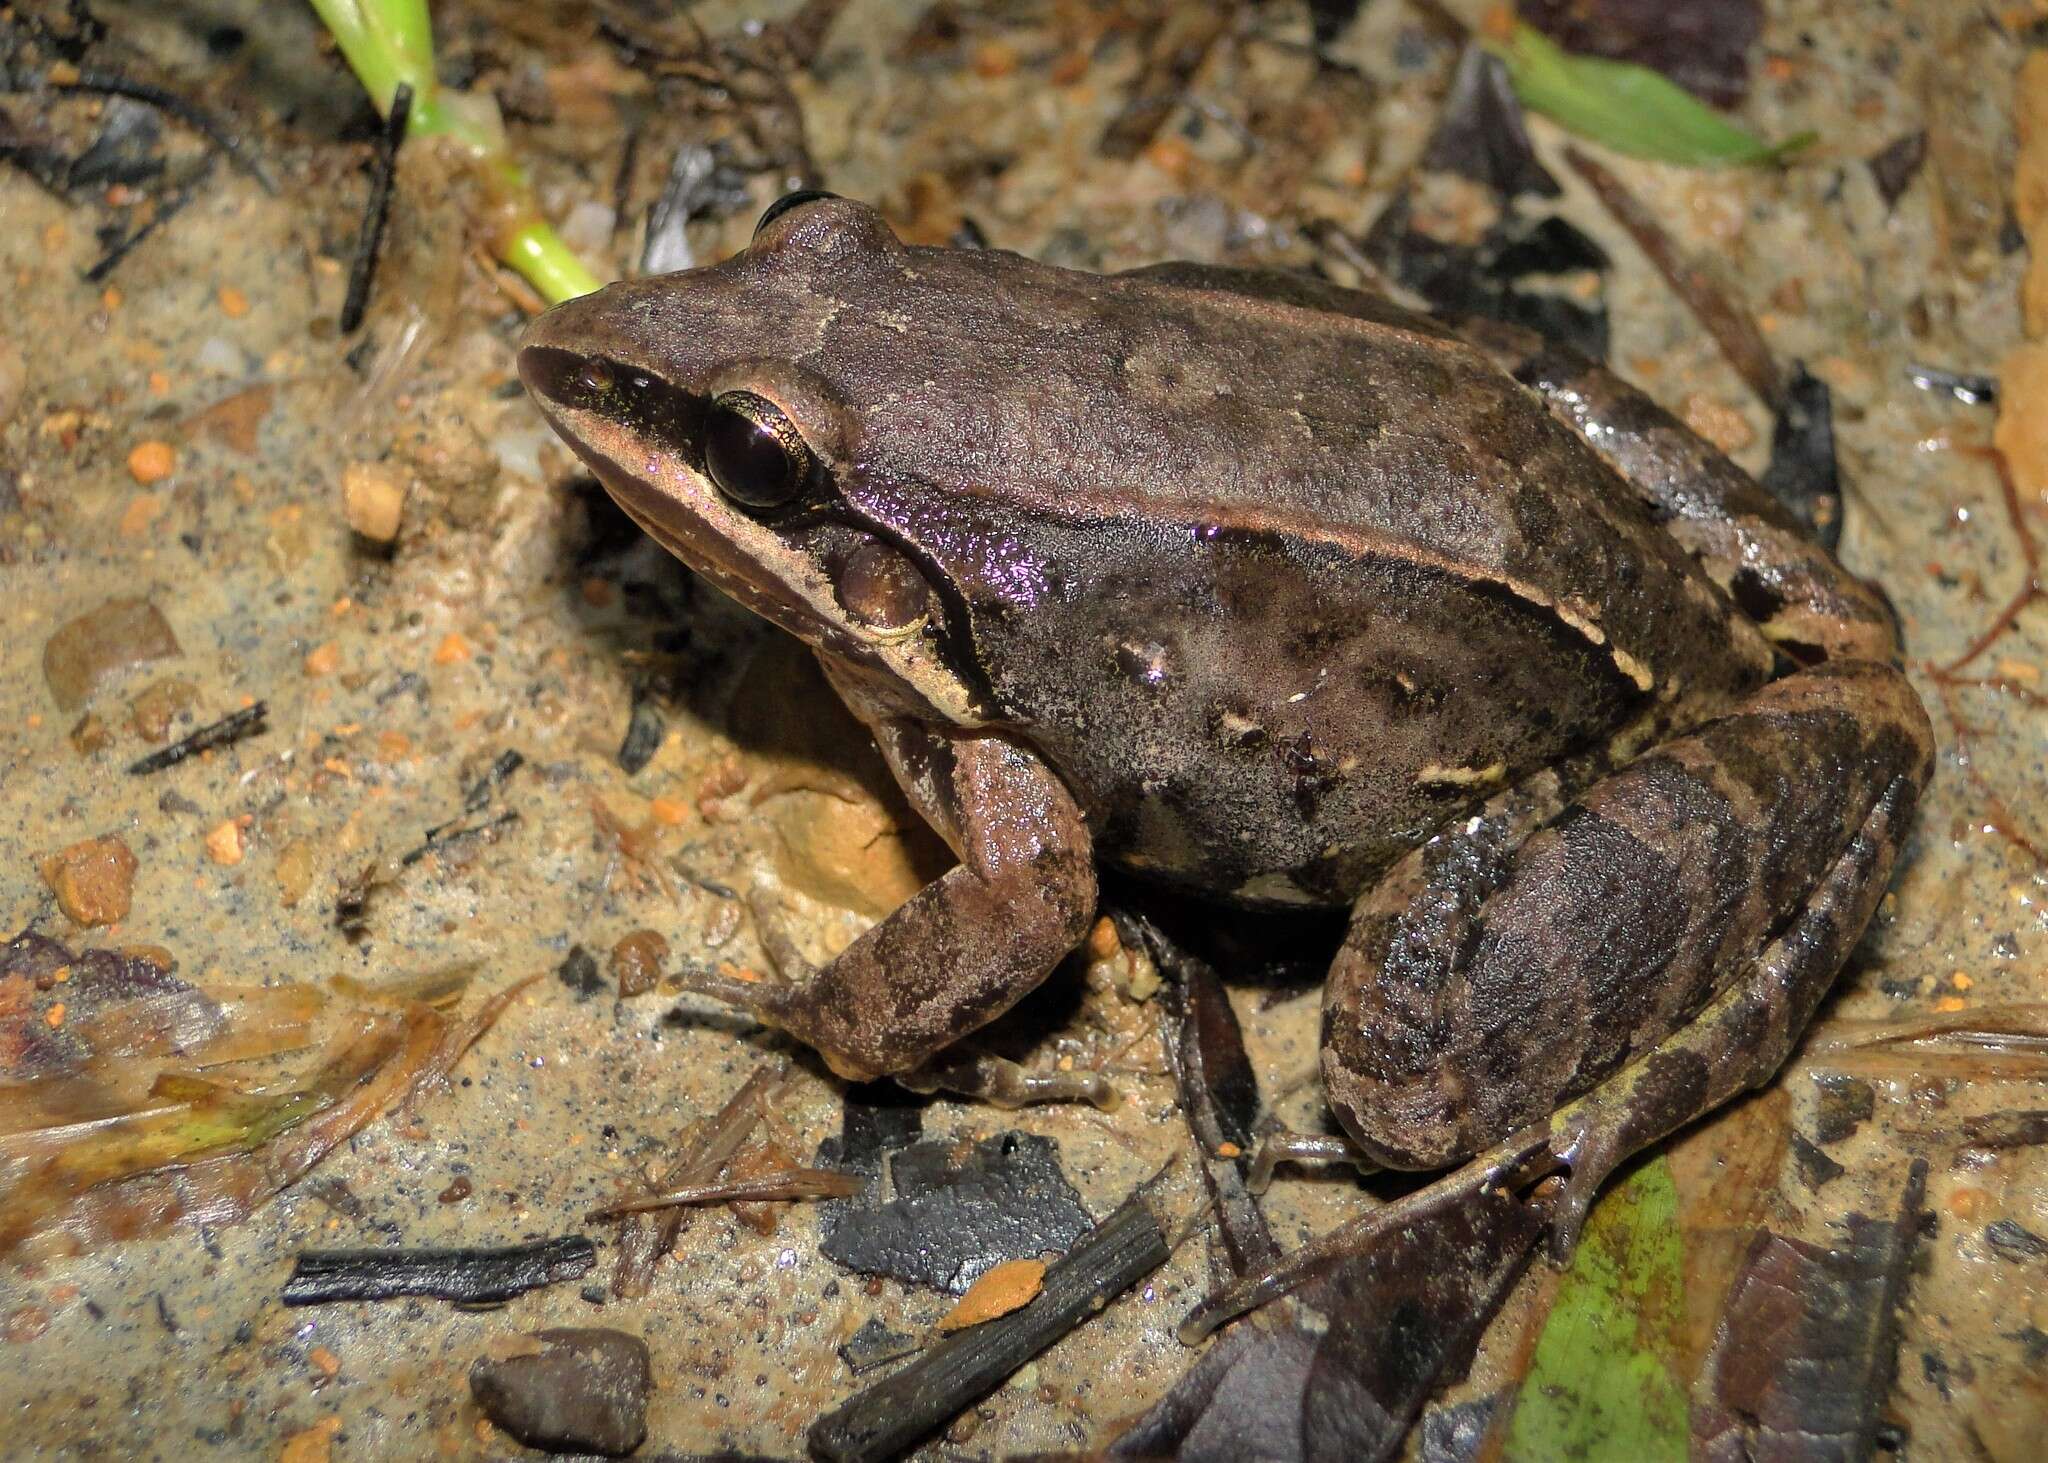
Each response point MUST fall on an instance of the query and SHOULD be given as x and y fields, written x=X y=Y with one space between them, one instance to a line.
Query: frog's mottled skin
x=1278 y=592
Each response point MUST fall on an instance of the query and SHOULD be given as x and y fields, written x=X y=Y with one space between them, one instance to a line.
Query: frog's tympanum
x=1285 y=595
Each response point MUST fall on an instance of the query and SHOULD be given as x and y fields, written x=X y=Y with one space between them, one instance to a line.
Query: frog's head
x=711 y=407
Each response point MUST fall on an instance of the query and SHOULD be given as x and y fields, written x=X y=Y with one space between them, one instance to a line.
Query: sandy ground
x=514 y=613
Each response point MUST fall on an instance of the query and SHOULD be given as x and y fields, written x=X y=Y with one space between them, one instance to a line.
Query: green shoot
x=389 y=43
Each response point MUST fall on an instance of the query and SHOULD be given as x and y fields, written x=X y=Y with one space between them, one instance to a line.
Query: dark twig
x=777 y=1185
x=193 y=115
x=165 y=211
x=369 y=243
x=888 y=1418
x=471 y=1276
x=449 y=833
x=230 y=728
x=1732 y=327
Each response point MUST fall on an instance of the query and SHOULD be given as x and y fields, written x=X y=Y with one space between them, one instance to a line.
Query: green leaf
x=1629 y=108
x=1605 y=1382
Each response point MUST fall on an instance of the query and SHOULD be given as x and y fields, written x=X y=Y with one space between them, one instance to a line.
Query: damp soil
x=184 y=427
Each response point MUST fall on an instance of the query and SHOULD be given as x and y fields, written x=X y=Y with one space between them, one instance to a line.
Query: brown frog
x=1277 y=592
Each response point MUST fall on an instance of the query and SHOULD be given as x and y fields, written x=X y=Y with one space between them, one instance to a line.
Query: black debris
x=578 y=971
x=1971 y=388
x=2014 y=1240
x=1816 y=1169
x=1803 y=474
x=164 y=212
x=1241 y=1399
x=954 y=1217
x=2025 y=1129
x=479 y=792
x=702 y=182
x=247 y=722
x=1480 y=135
x=895 y=1413
x=1844 y=1104
x=877 y=1118
x=1895 y=168
x=475 y=798
x=171 y=104
x=874 y=1344
x=370 y=240
x=1513 y=273
x=126 y=150
x=644 y=729
x=471 y=1276
x=1802 y=1357
x=585 y=1393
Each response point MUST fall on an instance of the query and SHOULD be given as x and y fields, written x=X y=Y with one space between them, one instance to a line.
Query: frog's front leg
x=970 y=944
x=1497 y=973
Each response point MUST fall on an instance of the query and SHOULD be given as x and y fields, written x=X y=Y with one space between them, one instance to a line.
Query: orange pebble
x=233 y=303
x=452 y=648
x=151 y=462
x=323 y=659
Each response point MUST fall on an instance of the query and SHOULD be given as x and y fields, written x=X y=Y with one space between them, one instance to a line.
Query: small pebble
x=92 y=880
x=587 y=1392
x=151 y=462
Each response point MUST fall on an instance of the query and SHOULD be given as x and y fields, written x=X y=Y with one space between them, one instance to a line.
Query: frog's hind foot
x=1002 y=1083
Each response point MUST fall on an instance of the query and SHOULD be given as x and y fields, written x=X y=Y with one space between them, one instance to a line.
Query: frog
x=1281 y=595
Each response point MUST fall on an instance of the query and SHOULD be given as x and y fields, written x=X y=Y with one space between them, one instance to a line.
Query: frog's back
x=1279 y=575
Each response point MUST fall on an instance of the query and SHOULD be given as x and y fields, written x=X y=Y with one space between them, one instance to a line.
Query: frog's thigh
x=972 y=943
x=1485 y=982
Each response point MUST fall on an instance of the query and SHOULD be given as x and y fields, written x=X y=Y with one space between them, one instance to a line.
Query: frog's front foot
x=963 y=949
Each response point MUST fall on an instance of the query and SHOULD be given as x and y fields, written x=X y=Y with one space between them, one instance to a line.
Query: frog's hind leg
x=1488 y=980
x=1748 y=543
x=1557 y=1165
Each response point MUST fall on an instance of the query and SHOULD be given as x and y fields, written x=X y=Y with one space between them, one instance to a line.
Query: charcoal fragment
x=958 y=1211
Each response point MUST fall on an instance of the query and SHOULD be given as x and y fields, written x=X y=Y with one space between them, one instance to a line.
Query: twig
x=644 y=1239
x=1731 y=326
x=193 y=115
x=471 y=1276
x=369 y=242
x=165 y=211
x=230 y=728
x=895 y=1413
x=777 y=1185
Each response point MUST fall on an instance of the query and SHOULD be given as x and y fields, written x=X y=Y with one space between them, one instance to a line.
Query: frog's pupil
x=752 y=452
x=595 y=377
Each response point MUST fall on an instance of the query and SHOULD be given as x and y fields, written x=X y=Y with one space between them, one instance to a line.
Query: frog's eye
x=788 y=201
x=753 y=452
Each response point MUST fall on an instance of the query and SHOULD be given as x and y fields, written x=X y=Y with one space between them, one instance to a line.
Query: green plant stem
x=390 y=43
